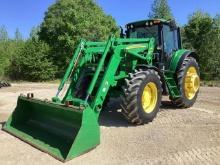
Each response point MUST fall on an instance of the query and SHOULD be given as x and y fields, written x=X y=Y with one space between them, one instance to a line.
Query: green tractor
x=146 y=62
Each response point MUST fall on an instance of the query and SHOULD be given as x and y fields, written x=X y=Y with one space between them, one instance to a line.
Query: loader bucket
x=61 y=131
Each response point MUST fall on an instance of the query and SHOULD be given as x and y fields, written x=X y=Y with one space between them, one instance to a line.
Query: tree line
x=46 y=53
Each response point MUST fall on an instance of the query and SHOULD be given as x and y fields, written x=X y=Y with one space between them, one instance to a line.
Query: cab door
x=170 y=42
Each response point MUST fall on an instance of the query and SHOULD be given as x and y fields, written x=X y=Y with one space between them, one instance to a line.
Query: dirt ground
x=176 y=136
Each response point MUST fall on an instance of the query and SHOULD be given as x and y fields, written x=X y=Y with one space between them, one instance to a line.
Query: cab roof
x=151 y=21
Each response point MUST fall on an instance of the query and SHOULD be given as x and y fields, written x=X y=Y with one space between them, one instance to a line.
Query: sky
x=25 y=14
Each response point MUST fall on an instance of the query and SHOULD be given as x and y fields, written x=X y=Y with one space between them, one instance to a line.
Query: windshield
x=144 y=32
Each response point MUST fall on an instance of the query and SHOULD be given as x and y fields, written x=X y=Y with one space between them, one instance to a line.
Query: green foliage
x=210 y=53
x=8 y=50
x=160 y=9
x=4 y=60
x=202 y=33
x=33 y=63
x=18 y=35
x=3 y=33
x=51 y=44
x=78 y=19
x=185 y=43
x=34 y=33
x=217 y=21
x=198 y=27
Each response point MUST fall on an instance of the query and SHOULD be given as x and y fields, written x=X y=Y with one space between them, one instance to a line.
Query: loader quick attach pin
x=30 y=95
x=67 y=126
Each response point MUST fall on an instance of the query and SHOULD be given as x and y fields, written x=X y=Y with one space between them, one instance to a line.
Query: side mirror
x=122 y=35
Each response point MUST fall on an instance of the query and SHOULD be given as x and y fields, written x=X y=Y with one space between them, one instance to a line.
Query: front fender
x=162 y=78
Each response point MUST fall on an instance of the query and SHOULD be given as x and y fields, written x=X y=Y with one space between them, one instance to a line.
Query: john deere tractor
x=144 y=63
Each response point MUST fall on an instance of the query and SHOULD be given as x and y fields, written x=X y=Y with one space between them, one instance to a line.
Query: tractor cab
x=166 y=34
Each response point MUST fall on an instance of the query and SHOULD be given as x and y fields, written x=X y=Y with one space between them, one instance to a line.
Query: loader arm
x=115 y=50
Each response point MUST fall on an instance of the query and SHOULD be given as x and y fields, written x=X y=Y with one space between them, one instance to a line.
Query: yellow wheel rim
x=149 y=97
x=192 y=83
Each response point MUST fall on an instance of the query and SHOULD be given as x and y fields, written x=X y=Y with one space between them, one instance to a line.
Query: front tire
x=141 y=96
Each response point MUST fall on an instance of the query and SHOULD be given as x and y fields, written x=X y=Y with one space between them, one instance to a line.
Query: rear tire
x=188 y=83
x=141 y=96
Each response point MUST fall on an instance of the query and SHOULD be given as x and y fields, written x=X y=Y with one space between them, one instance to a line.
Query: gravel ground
x=176 y=136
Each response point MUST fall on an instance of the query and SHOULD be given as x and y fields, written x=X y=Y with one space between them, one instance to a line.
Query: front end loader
x=146 y=62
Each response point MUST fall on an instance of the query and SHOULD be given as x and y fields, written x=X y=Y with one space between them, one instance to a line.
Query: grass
x=210 y=83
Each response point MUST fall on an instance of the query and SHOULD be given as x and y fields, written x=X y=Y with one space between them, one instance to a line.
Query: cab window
x=144 y=32
x=170 y=40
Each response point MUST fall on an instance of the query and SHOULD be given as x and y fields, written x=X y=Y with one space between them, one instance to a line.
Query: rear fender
x=178 y=58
